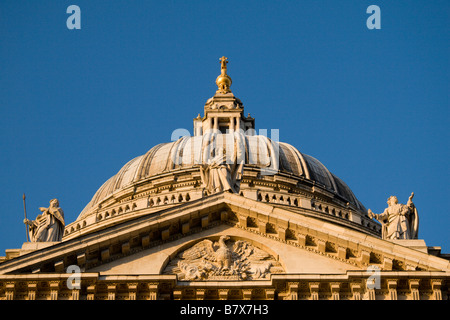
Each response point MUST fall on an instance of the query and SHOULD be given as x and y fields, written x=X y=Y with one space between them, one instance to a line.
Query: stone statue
x=399 y=221
x=224 y=259
x=220 y=173
x=48 y=226
x=219 y=176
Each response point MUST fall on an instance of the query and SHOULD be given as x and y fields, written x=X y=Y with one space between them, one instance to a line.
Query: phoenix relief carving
x=224 y=259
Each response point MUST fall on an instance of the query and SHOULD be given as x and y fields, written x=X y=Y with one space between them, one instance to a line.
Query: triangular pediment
x=166 y=258
x=301 y=243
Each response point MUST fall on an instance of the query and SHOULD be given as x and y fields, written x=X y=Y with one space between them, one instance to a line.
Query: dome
x=224 y=155
x=189 y=153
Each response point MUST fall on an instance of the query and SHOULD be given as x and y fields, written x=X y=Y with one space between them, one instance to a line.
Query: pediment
x=270 y=257
x=301 y=243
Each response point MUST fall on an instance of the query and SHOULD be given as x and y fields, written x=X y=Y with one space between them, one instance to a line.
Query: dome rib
x=299 y=169
x=146 y=162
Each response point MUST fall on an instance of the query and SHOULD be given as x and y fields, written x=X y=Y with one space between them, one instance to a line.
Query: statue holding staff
x=49 y=225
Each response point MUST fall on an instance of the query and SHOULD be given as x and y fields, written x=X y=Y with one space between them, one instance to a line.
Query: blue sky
x=371 y=105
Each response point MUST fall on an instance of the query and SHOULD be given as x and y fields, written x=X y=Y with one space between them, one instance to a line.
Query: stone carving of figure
x=219 y=173
x=49 y=225
x=224 y=259
x=399 y=221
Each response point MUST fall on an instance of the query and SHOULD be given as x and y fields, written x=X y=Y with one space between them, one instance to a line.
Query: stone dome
x=166 y=159
x=224 y=155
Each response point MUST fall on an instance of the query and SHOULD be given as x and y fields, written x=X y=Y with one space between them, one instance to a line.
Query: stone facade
x=319 y=259
x=156 y=230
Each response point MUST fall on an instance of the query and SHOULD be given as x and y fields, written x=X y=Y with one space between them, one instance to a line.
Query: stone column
x=210 y=121
x=232 y=124
x=238 y=123
x=216 y=123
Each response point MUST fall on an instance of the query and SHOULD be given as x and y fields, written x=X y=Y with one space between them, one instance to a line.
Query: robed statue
x=220 y=172
x=399 y=221
x=49 y=225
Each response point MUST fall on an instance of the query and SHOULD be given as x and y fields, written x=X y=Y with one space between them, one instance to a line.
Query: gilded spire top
x=223 y=81
x=223 y=63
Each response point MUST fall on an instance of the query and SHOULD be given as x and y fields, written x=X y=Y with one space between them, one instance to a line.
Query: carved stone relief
x=225 y=259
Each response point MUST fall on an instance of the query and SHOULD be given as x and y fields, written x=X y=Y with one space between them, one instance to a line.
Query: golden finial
x=223 y=64
x=223 y=81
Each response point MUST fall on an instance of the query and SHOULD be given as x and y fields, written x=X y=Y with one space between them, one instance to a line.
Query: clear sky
x=371 y=105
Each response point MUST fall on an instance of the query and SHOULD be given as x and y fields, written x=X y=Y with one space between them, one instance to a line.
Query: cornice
x=308 y=233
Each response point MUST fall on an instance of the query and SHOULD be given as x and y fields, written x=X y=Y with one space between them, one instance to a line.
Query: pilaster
x=414 y=287
x=392 y=287
x=32 y=289
x=314 y=289
x=293 y=290
x=112 y=291
x=335 y=287
x=436 y=285
x=153 y=288
x=356 y=290
x=132 y=290
x=10 y=290
x=54 y=289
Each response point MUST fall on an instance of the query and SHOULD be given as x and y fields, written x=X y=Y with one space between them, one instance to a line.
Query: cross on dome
x=223 y=81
